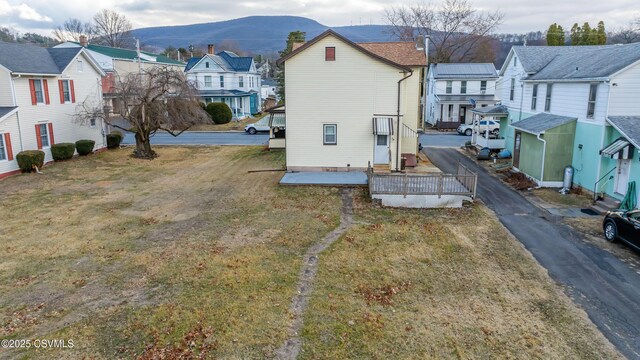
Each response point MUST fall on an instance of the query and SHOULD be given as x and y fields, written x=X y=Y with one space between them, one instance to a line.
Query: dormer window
x=206 y=64
x=330 y=53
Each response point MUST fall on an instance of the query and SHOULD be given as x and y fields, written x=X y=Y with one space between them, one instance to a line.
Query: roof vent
x=577 y=68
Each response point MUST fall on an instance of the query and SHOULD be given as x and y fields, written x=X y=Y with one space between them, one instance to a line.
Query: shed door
x=516 y=149
x=622 y=177
x=381 y=152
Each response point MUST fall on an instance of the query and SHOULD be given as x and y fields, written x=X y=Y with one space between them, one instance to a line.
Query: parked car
x=467 y=129
x=624 y=226
x=261 y=125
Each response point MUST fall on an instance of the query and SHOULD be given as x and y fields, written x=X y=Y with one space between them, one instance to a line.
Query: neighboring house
x=264 y=69
x=268 y=88
x=118 y=63
x=574 y=105
x=39 y=91
x=453 y=90
x=228 y=78
x=351 y=104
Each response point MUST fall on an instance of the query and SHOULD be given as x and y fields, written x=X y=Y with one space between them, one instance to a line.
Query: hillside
x=254 y=34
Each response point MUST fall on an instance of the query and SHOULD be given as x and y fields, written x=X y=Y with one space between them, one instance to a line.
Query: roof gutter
x=398 y=117
x=565 y=80
x=544 y=152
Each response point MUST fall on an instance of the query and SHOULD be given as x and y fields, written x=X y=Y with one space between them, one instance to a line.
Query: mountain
x=253 y=34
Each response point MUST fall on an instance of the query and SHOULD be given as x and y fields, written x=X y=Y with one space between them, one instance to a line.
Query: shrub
x=220 y=113
x=63 y=151
x=114 y=139
x=85 y=147
x=28 y=159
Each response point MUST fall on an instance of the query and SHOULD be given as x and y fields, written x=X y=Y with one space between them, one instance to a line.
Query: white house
x=228 y=78
x=268 y=89
x=351 y=104
x=39 y=91
x=574 y=105
x=453 y=90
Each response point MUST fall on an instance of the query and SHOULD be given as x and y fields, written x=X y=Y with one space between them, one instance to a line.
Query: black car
x=624 y=226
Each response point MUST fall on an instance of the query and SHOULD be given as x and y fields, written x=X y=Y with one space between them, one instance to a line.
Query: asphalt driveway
x=203 y=138
x=607 y=288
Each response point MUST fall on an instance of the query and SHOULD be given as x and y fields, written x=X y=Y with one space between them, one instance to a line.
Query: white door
x=622 y=177
x=381 y=152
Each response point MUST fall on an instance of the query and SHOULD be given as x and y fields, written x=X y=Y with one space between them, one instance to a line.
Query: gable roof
x=464 y=71
x=348 y=42
x=227 y=60
x=63 y=56
x=403 y=53
x=539 y=123
x=28 y=59
x=7 y=110
x=592 y=63
x=628 y=126
x=128 y=54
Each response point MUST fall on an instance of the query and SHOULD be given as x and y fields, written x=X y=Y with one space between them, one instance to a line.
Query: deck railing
x=464 y=182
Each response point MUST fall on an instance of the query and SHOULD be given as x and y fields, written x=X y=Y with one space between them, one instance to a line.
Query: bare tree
x=156 y=99
x=454 y=28
x=112 y=29
x=627 y=34
x=72 y=29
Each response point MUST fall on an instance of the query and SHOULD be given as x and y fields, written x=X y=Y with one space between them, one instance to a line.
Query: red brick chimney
x=210 y=49
x=83 y=41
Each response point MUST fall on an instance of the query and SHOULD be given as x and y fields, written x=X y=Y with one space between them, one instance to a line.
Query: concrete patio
x=355 y=178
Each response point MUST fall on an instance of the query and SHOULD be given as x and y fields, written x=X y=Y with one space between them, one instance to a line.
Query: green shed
x=543 y=147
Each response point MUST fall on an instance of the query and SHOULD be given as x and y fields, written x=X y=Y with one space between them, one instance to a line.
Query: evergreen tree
x=294 y=37
x=601 y=34
x=555 y=35
x=587 y=37
x=576 y=35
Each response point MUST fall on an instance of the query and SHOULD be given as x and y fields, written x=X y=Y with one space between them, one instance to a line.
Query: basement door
x=381 y=151
x=622 y=177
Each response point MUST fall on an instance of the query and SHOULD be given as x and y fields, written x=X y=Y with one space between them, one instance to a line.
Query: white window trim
x=46 y=128
x=44 y=96
x=68 y=82
x=324 y=134
x=4 y=148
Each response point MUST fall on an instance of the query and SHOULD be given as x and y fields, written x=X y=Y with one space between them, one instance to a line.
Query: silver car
x=467 y=129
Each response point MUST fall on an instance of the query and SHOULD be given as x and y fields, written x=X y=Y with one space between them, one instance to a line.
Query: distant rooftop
x=227 y=60
x=464 y=71
x=403 y=53
x=128 y=54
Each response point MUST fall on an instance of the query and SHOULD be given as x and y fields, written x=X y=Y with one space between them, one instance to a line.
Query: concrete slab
x=569 y=212
x=325 y=178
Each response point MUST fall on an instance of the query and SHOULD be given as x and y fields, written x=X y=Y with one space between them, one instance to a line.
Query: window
x=547 y=99
x=534 y=97
x=591 y=104
x=463 y=87
x=80 y=65
x=39 y=91
x=206 y=64
x=44 y=135
x=330 y=53
x=381 y=140
x=241 y=81
x=65 y=91
x=449 y=86
x=330 y=136
x=208 y=81
x=515 y=61
x=92 y=122
x=483 y=86
x=512 y=90
x=221 y=81
x=3 y=148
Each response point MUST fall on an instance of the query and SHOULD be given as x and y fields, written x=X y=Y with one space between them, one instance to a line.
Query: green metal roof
x=128 y=54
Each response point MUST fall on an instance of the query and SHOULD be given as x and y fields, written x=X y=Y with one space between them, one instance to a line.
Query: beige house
x=352 y=104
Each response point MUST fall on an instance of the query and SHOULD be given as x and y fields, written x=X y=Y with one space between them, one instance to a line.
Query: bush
x=85 y=147
x=114 y=139
x=63 y=151
x=28 y=159
x=220 y=113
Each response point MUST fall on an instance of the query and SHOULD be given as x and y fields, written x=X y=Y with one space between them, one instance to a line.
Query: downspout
x=544 y=152
x=15 y=103
x=398 y=113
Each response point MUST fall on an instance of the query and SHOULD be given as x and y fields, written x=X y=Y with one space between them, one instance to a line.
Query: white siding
x=6 y=94
x=10 y=125
x=624 y=96
x=346 y=92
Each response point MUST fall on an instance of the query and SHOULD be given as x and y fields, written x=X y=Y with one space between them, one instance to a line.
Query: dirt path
x=291 y=347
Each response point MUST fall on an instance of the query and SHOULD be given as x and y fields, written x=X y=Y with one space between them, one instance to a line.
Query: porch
x=242 y=103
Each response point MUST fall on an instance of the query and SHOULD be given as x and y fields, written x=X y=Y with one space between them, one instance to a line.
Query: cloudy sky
x=521 y=15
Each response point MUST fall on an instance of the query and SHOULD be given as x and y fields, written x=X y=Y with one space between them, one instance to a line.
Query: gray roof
x=592 y=63
x=27 y=59
x=542 y=122
x=4 y=110
x=534 y=58
x=464 y=71
x=466 y=98
x=629 y=126
x=63 y=56
x=269 y=82
x=492 y=110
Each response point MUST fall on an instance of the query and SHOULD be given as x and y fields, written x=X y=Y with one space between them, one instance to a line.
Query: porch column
x=235 y=106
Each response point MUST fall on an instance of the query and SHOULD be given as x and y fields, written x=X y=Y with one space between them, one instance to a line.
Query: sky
x=522 y=16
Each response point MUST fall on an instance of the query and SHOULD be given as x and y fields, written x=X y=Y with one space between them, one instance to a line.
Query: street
x=203 y=138
x=607 y=288
x=443 y=139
